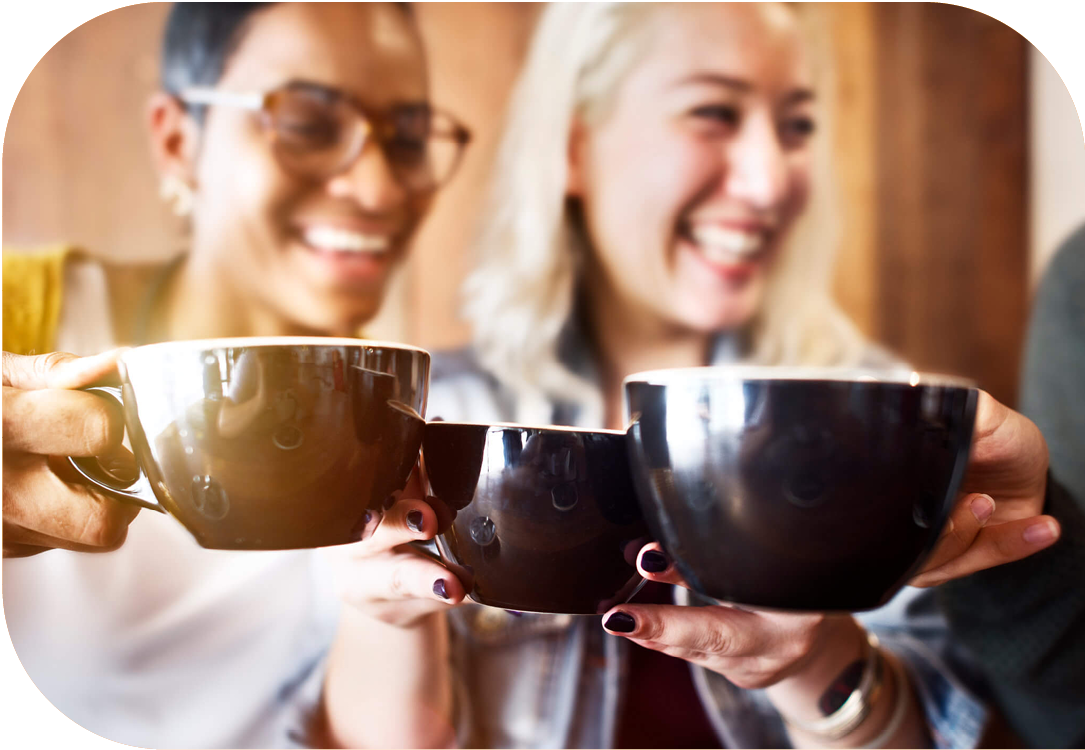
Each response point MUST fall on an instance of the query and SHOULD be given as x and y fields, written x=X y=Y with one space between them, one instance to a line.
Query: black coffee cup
x=541 y=519
x=798 y=489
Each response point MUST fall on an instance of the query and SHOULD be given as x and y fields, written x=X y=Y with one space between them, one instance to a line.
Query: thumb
x=58 y=369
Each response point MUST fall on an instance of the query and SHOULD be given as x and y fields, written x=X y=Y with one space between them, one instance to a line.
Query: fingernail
x=620 y=622
x=414 y=521
x=982 y=508
x=1041 y=533
x=654 y=562
x=439 y=588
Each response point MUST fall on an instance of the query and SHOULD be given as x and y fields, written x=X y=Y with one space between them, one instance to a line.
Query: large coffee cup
x=798 y=489
x=268 y=443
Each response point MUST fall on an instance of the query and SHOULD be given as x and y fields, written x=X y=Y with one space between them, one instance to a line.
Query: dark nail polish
x=620 y=622
x=414 y=520
x=439 y=588
x=654 y=562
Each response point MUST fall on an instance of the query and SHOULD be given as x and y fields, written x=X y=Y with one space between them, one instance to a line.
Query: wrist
x=388 y=623
x=849 y=699
x=880 y=711
x=840 y=644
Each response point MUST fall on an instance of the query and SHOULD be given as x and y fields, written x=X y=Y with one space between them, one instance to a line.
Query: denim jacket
x=537 y=680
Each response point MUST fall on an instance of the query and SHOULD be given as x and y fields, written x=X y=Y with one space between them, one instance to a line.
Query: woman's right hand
x=387 y=579
x=45 y=419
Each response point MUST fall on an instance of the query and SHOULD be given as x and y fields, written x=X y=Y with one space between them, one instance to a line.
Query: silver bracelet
x=856 y=708
x=900 y=708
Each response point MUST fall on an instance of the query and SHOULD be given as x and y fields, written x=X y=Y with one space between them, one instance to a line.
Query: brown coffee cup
x=268 y=443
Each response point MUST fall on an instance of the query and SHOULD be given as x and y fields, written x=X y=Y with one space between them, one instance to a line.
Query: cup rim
x=236 y=342
x=885 y=375
x=519 y=426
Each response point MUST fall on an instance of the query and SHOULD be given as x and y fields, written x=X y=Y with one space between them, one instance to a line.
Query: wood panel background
x=952 y=238
x=930 y=138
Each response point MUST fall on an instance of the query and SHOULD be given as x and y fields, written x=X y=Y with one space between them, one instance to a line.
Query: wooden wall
x=951 y=147
x=930 y=138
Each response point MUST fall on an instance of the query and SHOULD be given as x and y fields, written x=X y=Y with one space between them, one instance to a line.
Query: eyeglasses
x=318 y=132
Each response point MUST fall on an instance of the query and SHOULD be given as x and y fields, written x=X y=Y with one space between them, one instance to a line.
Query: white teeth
x=722 y=245
x=345 y=241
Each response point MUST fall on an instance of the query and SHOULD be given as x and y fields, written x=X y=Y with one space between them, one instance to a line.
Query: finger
x=60 y=423
x=59 y=369
x=410 y=519
x=19 y=542
x=655 y=565
x=965 y=521
x=36 y=500
x=1010 y=445
x=22 y=550
x=721 y=631
x=996 y=545
x=399 y=577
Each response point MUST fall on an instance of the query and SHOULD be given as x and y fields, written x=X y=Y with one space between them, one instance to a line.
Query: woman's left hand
x=795 y=656
x=751 y=649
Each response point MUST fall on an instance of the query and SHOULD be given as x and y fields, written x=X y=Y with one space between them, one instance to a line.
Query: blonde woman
x=660 y=200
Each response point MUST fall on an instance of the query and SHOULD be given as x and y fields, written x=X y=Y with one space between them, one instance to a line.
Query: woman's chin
x=712 y=317
x=335 y=320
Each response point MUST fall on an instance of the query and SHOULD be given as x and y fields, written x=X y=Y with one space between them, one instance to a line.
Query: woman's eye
x=718 y=113
x=797 y=129
x=406 y=150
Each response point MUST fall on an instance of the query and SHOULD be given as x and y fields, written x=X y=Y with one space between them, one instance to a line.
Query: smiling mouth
x=346 y=242
x=727 y=246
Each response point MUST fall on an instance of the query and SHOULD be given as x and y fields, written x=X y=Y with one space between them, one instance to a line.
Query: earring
x=177 y=193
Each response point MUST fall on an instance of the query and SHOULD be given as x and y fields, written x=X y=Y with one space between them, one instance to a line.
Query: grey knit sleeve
x=1025 y=622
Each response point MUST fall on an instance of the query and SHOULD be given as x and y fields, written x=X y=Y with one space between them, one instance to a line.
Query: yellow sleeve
x=33 y=287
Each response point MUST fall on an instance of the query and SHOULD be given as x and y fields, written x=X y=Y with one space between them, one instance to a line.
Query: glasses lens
x=318 y=134
x=423 y=147
x=314 y=133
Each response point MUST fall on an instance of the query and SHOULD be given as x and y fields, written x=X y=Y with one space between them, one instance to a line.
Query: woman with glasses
x=660 y=200
x=299 y=142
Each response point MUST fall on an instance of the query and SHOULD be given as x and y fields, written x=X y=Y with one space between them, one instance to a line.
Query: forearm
x=798 y=696
x=389 y=686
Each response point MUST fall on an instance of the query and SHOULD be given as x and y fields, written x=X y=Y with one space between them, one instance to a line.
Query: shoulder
x=1064 y=279
x=462 y=390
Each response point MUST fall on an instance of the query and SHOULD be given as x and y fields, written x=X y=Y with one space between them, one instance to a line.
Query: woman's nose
x=370 y=182
x=756 y=164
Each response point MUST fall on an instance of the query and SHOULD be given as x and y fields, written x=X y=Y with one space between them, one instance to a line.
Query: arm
x=1031 y=644
x=390 y=685
x=389 y=681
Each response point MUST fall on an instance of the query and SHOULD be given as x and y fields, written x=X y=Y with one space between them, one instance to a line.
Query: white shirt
x=162 y=643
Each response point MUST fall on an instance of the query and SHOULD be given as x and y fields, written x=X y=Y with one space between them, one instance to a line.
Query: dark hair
x=199 y=39
x=201 y=36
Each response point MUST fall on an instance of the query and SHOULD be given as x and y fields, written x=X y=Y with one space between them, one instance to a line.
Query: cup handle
x=137 y=491
x=428 y=549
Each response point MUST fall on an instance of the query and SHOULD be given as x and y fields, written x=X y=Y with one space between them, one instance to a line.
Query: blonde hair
x=521 y=293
